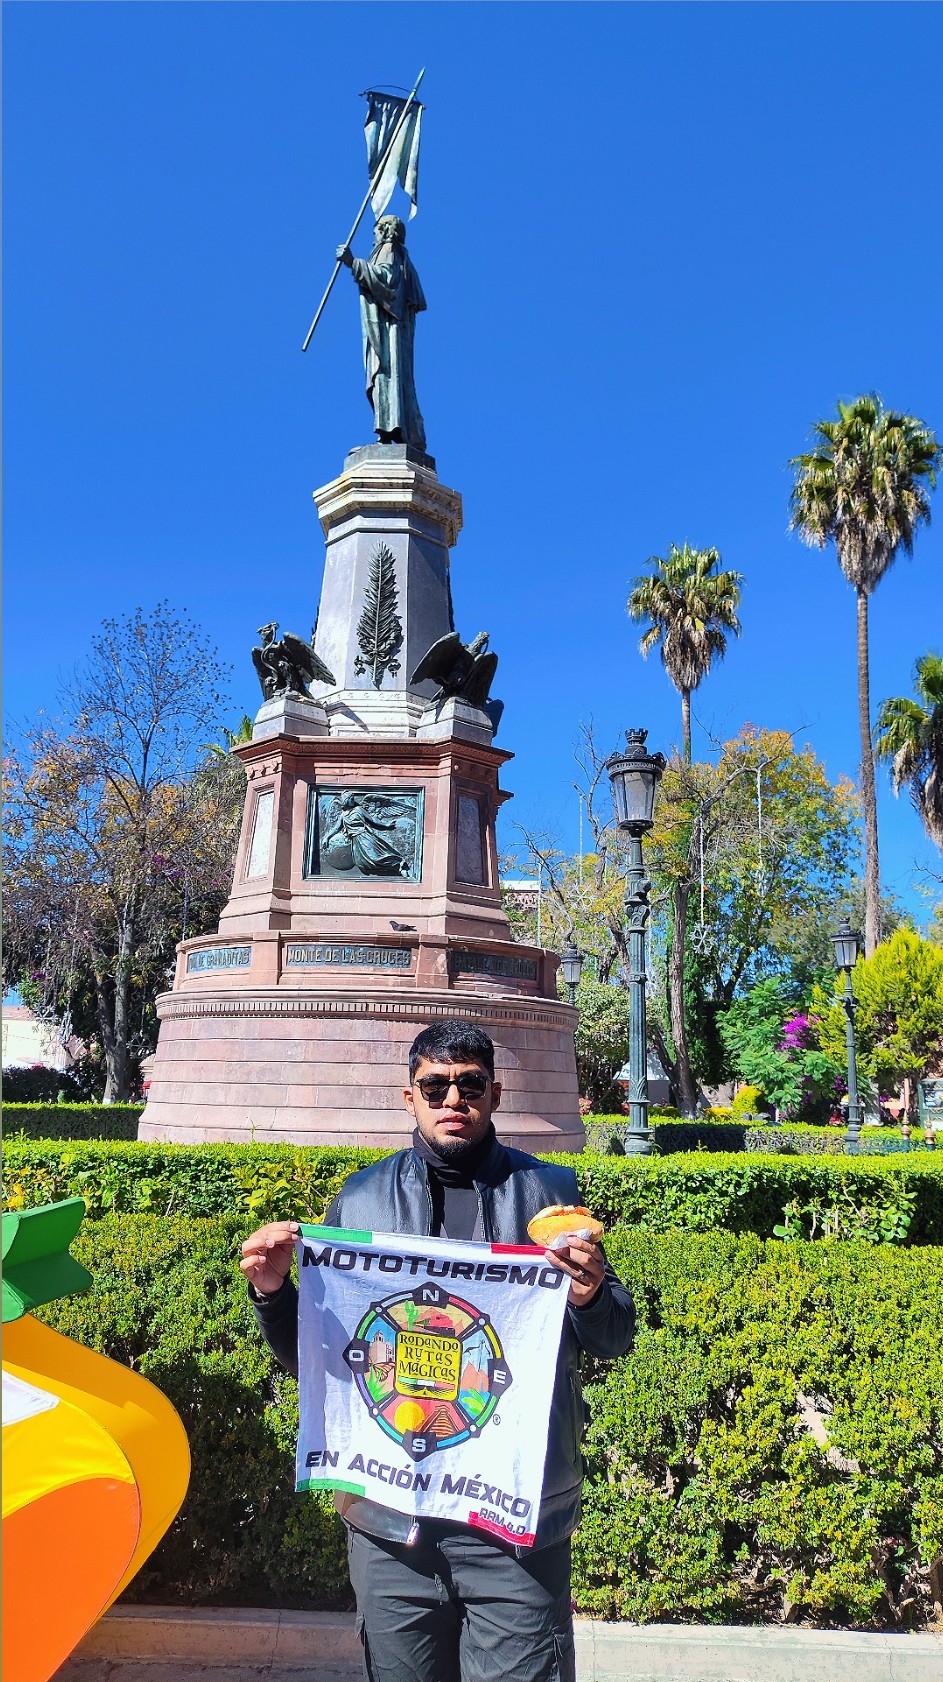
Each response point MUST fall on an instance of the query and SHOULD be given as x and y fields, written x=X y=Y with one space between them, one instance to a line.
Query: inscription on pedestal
x=492 y=963
x=219 y=957
x=355 y=957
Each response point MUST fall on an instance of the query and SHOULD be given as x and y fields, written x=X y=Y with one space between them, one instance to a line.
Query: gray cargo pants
x=458 y=1608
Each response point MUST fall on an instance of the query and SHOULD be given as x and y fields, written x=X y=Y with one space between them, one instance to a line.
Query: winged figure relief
x=286 y=665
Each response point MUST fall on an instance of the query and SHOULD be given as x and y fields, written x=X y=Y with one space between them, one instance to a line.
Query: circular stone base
x=315 y=1067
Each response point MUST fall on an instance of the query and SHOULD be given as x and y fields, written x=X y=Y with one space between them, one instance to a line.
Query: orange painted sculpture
x=95 y=1459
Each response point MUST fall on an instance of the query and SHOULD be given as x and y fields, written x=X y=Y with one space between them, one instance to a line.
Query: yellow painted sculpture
x=95 y=1459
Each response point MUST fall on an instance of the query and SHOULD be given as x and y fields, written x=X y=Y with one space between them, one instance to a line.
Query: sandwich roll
x=553 y=1227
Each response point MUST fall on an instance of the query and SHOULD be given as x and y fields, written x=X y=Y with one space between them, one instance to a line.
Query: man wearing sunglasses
x=436 y=1601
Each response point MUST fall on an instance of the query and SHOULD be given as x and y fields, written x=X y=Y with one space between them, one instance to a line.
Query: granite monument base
x=321 y=1066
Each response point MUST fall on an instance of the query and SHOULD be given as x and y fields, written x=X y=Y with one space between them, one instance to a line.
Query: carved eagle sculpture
x=287 y=666
x=459 y=669
x=465 y=670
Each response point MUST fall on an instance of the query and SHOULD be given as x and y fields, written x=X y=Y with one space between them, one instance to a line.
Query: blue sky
x=657 y=242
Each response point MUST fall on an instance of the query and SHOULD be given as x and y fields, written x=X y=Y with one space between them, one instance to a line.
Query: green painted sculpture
x=390 y=299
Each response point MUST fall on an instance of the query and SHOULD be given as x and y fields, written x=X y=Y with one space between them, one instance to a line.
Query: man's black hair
x=451 y=1042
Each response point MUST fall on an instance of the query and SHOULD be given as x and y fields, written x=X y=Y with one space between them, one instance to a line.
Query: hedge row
x=895 y=1199
x=120 y=1121
x=608 y=1134
x=73 y=1121
x=772 y=1447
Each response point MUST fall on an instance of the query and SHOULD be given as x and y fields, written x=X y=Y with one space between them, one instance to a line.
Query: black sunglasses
x=435 y=1088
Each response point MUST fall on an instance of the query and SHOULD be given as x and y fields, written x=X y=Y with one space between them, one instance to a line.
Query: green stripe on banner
x=347 y=1233
x=332 y=1483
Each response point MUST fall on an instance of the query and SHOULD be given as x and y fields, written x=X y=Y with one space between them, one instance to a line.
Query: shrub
x=73 y=1121
x=786 y=1138
x=708 y=1496
x=602 y=1039
x=697 y=1191
x=34 y=1084
x=746 y=1102
x=169 y=1300
x=770 y=1039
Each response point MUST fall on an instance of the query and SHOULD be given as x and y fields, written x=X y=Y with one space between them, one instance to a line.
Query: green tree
x=690 y=607
x=909 y=733
x=231 y=739
x=771 y=1041
x=760 y=841
x=118 y=834
x=864 y=487
x=602 y=1042
x=899 y=1020
x=768 y=873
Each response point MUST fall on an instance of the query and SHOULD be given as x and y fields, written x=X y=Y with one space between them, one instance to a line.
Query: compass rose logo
x=429 y=1367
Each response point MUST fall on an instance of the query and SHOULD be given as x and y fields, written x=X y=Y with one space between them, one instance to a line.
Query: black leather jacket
x=393 y=1195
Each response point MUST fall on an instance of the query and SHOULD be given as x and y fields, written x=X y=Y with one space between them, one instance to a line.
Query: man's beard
x=450 y=1149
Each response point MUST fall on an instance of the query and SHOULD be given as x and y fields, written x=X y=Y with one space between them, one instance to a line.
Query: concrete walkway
x=175 y=1644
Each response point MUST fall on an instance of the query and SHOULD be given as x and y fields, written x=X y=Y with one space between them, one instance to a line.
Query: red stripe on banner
x=516 y=1250
x=479 y=1523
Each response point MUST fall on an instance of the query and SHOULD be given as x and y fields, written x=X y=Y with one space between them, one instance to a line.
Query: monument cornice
x=385 y=487
x=368 y=750
x=413 y=1007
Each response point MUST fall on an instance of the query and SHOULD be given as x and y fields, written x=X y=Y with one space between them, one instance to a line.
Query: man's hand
x=583 y=1261
x=266 y=1256
x=344 y=255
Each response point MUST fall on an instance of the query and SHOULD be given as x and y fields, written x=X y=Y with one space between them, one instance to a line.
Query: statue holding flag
x=390 y=299
x=390 y=293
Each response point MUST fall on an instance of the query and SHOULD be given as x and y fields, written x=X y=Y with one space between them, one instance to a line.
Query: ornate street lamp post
x=847 y=943
x=571 y=963
x=635 y=776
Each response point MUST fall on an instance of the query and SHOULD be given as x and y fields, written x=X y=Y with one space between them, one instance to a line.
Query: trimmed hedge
x=895 y=1198
x=120 y=1121
x=709 y=1496
x=73 y=1121
x=33 y=1083
x=606 y=1133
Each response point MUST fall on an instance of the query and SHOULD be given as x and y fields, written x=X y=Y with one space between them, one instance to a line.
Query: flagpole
x=360 y=214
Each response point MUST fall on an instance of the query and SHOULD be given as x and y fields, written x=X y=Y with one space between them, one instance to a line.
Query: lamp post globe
x=847 y=942
x=571 y=963
x=635 y=775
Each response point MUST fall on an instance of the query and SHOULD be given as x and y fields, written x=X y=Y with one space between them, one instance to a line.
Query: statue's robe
x=390 y=298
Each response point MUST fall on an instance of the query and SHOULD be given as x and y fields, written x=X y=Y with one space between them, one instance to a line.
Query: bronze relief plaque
x=356 y=833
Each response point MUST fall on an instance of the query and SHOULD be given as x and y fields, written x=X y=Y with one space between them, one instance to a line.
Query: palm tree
x=234 y=739
x=910 y=734
x=864 y=486
x=690 y=607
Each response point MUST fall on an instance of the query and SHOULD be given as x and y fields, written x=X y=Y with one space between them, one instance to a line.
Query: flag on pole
x=383 y=113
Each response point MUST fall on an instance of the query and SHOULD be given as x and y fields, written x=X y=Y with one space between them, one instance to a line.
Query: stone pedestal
x=387 y=500
x=365 y=900
x=289 y=715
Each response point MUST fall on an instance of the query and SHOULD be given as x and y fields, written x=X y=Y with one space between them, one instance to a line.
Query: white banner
x=426 y=1369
